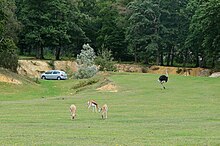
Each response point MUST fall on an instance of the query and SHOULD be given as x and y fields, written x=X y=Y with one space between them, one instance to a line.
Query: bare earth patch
x=109 y=87
x=7 y=79
x=178 y=70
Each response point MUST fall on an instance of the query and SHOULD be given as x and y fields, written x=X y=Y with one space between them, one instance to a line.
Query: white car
x=54 y=75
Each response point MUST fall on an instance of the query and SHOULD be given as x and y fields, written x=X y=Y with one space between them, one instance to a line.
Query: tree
x=9 y=26
x=153 y=30
x=174 y=30
x=111 y=34
x=204 y=37
x=85 y=62
x=105 y=60
x=50 y=24
x=143 y=32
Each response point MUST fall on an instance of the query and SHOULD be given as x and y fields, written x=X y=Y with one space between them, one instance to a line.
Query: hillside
x=10 y=77
x=33 y=69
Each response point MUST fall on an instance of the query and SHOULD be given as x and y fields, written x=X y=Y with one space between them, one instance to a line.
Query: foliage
x=152 y=30
x=8 y=55
x=49 y=24
x=105 y=60
x=85 y=63
x=160 y=32
x=8 y=35
x=111 y=34
x=143 y=29
x=84 y=83
x=204 y=37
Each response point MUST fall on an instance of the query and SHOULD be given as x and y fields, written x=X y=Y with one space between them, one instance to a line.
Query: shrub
x=9 y=58
x=85 y=83
x=85 y=63
x=105 y=60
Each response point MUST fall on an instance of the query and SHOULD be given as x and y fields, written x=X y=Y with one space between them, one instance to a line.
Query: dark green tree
x=51 y=24
x=143 y=32
x=204 y=38
x=9 y=26
x=111 y=34
x=153 y=30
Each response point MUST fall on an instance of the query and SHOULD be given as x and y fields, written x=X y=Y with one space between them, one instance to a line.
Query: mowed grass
x=140 y=113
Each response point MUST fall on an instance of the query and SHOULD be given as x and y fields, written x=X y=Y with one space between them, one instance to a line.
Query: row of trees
x=185 y=31
x=171 y=32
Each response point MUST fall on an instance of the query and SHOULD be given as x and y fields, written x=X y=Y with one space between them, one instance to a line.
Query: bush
x=85 y=63
x=9 y=58
x=85 y=83
x=105 y=61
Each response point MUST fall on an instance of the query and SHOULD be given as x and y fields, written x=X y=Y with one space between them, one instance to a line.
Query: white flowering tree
x=85 y=63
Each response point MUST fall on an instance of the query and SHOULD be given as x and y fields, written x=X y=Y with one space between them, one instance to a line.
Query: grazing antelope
x=93 y=104
x=104 y=111
x=73 y=111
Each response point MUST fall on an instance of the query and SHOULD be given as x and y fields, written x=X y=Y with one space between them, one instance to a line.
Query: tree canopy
x=9 y=27
x=171 y=32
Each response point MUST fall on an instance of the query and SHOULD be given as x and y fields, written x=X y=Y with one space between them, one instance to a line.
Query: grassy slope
x=186 y=113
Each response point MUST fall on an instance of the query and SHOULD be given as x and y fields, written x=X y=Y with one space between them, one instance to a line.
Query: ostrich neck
x=166 y=73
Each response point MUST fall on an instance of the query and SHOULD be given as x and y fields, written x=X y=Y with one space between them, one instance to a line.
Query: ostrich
x=163 y=79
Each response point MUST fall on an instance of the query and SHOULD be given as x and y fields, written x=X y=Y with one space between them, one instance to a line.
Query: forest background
x=154 y=32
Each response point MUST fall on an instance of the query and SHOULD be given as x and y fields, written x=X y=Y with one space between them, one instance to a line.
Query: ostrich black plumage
x=163 y=79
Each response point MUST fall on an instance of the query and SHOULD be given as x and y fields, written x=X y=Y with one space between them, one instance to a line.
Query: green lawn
x=140 y=113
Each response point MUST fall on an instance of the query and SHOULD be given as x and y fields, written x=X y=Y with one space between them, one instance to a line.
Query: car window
x=56 y=72
x=49 y=72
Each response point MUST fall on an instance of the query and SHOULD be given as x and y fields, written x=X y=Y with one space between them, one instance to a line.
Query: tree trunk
x=58 y=53
x=22 y=50
x=172 y=55
x=135 y=54
x=41 y=52
x=29 y=49
x=213 y=61
x=38 y=52
x=161 y=58
x=158 y=56
x=185 y=58
x=197 y=59
x=146 y=60
x=168 y=57
x=204 y=61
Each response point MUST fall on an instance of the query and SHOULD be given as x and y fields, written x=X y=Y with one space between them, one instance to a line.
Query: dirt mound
x=162 y=70
x=109 y=87
x=129 y=68
x=178 y=70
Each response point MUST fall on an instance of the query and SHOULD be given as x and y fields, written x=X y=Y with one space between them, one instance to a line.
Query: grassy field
x=140 y=113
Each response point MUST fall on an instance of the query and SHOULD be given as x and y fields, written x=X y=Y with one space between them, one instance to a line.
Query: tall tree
x=9 y=26
x=175 y=28
x=143 y=32
x=110 y=35
x=101 y=25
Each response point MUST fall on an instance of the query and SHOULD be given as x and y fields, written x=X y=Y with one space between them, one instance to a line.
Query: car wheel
x=58 y=78
x=44 y=78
